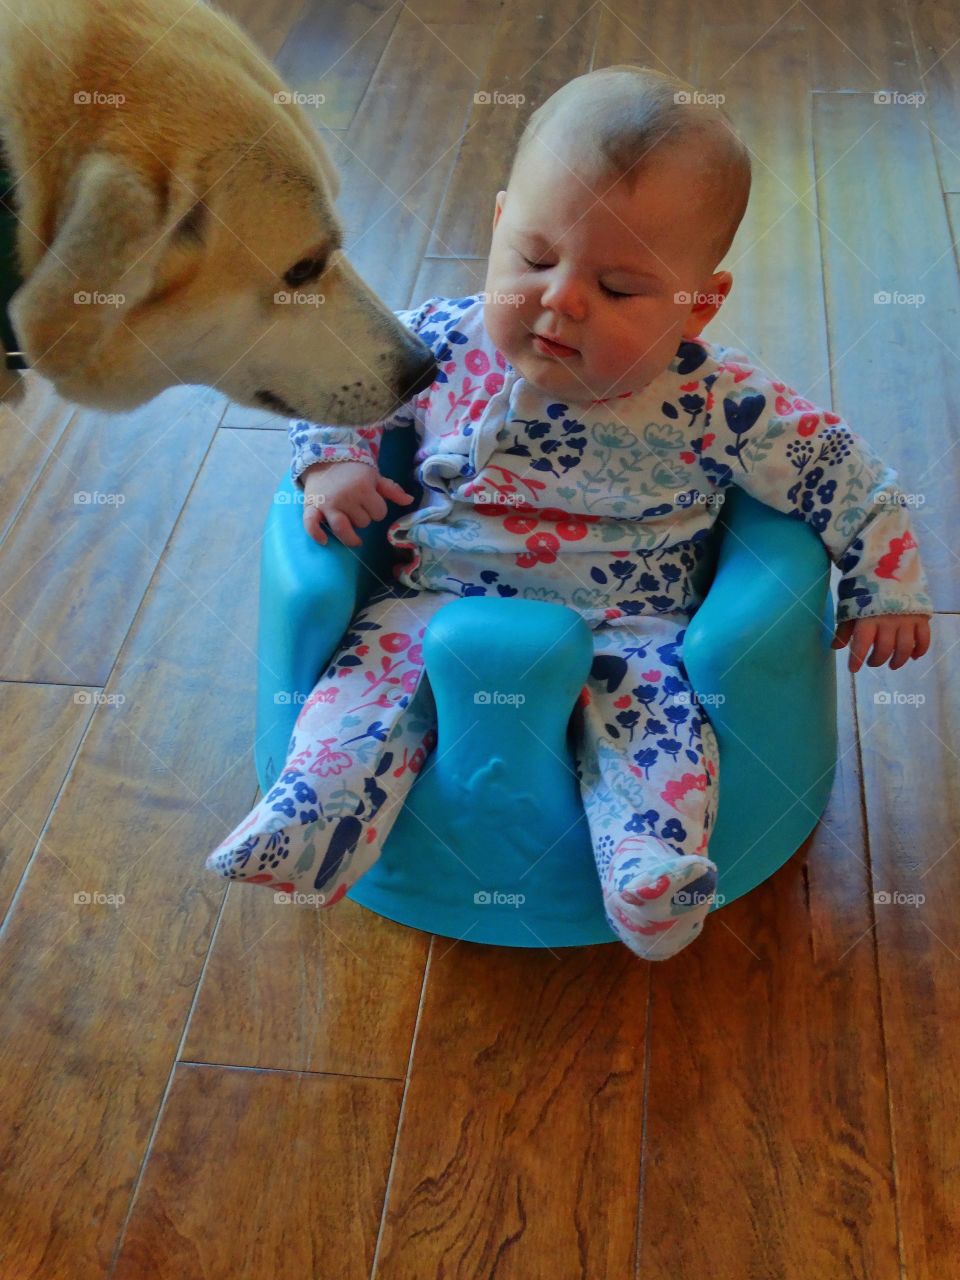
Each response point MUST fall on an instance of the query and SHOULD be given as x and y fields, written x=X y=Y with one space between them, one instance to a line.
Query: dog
x=176 y=224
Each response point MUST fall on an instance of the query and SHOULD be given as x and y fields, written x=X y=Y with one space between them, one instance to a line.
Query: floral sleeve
x=808 y=463
x=313 y=442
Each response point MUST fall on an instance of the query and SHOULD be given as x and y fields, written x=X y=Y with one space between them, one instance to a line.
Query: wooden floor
x=197 y=1085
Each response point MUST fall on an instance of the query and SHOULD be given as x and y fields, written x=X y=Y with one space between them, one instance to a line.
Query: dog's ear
x=108 y=240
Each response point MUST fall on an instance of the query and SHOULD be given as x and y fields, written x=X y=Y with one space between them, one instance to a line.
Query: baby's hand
x=905 y=635
x=345 y=494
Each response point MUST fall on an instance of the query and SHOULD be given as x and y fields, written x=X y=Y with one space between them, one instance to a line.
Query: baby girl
x=575 y=447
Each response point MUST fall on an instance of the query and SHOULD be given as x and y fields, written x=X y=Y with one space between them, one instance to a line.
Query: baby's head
x=624 y=195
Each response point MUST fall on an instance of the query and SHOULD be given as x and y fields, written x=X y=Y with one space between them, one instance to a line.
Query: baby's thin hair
x=618 y=122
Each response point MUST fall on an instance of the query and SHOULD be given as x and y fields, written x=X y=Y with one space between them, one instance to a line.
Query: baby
x=575 y=448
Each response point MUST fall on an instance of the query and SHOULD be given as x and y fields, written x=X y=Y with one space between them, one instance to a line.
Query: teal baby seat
x=492 y=843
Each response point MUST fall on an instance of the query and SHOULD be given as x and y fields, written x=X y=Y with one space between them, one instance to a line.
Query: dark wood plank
x=321 y=1150
x=910 y=728
x=519 y=1151
x=768 y=1137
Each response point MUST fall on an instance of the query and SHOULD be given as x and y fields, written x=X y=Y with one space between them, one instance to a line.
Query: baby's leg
x=648 y=768
x=359 y=743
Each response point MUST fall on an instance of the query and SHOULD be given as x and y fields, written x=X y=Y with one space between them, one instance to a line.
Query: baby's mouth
x=549 y=347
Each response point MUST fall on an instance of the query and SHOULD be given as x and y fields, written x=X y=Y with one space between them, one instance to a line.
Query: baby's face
x=600 y=270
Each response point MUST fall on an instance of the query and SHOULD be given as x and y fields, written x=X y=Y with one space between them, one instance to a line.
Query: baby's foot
x=656 y=900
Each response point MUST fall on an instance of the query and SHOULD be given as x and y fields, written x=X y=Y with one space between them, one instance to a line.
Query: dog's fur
x=181 y=211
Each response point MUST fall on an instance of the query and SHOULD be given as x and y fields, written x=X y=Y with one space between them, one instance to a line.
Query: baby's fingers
x=864 y=633
x=340 y=525
x=843 y=635
x=393 y=491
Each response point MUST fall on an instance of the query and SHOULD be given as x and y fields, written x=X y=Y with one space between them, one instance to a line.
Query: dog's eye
x=304 y=270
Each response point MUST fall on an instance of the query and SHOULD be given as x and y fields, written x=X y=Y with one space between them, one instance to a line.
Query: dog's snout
x=418 y=377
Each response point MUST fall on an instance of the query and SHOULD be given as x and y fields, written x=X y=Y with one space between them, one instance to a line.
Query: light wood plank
x=76 y=562
x=535 y=50
x=29 y=433
x=40 y=729
x=895 y=368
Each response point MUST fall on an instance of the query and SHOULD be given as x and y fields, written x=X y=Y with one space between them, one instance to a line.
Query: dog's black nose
x=418 y=378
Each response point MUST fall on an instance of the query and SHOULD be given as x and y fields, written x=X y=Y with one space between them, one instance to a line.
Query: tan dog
x=176 y=220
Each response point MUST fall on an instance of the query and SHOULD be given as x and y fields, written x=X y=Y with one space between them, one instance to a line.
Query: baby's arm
x=337 y=466
x=347 y=495
x=807 y=462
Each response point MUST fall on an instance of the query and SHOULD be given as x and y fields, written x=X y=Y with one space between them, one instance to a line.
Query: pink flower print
x=675 y=792
x=329 y=763
x=493 y=383
x=477 y=362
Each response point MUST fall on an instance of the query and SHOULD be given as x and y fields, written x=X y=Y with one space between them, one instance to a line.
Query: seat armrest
x=308 y=595
x=758 y=656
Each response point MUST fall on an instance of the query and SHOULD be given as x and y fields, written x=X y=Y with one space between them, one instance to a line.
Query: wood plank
x=397 y=155
x=530 y=1164
x=535 y=50
x=763 y=77
x=910 y=724
x=333 y=991
x=449 y=278
x=768 y=1139
x=861 y=44
x=40 y=729
x=77 y=560
x=266 y=22
x=332 y=52
x=895 y=367
x=321 y=1151
x=31 y=431
x=96 y=997
x=936 y=33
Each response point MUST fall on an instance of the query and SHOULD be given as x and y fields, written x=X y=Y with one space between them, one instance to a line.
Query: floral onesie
x=604 y=506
